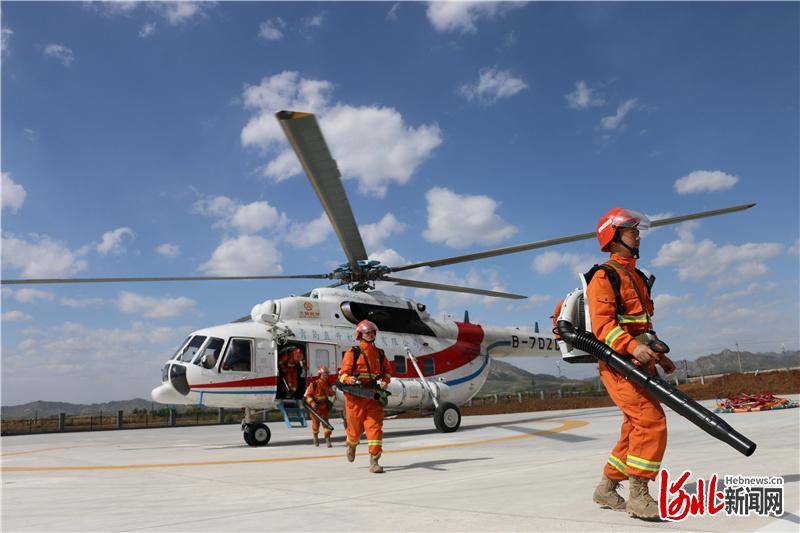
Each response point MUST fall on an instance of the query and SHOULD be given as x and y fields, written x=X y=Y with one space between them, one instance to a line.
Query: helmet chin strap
x=633 y=251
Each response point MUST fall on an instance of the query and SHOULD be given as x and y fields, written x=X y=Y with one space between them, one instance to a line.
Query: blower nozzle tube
x=658 y=388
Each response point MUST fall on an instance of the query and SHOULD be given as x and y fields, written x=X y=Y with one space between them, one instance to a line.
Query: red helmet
x=323 y=370
x=365 y=326
x=618 y=218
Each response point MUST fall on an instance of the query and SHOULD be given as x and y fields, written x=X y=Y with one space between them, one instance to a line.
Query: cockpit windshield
x=190 y=350
x=181 y=346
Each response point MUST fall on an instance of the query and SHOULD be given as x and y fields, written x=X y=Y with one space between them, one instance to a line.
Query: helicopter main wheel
x=257 y=435
x=447 y=417
x=247 y=439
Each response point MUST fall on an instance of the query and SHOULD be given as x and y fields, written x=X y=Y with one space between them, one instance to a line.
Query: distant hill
x=506 y=378
x=44 y=409
x=727 y=361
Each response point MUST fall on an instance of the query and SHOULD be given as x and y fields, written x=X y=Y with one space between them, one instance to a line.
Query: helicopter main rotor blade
x=306 y=138
x=131 y=280
x=451 y=288
x=560 y=240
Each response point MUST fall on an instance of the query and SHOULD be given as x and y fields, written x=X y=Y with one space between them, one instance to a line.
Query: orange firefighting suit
x=317 y=395
x=365 y=414
x=290 y=371
x=643 y=438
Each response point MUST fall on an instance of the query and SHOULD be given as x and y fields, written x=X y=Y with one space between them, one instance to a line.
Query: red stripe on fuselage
x=466 y=348
x=254 y=382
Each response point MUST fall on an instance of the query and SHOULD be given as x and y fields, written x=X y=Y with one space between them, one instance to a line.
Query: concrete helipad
x=518 y=472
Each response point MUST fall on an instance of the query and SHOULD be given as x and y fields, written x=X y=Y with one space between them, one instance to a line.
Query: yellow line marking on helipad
x=566 y=425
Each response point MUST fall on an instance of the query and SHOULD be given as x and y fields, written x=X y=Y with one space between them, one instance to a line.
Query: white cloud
x=174 y=12
x=492 y=85
x=256 y=216
x=272 y=29
x=794 y=249
x=27 y=296
x=73 y=362
x=463 y=16
x=283 y=167
x=388 y=257
x=583 y=97
x=305 y=234
x=13 y=194
x=548 y=262
x=286 y=90
x=80 y=303
x=247 y=218
x=130 y=302
x=375 y=234
x=5 y=39
x=42 y=257
x=615 y=121
x=392 y=14
x=15 y=316
x=179 y=12
x=314 y=21
x=112 y=241
x=372 y=145
x=246 y=255
x=705 y=181
x=752 y=288
x=664 y=303
x=168 y=249
x=60 y=52
x=147 y=30
x=725 y=264
x=462 y=220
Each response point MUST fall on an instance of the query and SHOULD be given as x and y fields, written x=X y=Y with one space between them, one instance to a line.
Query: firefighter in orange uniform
x=318 y=396
x=643 y=438
x=290 y=366
x=367 y=365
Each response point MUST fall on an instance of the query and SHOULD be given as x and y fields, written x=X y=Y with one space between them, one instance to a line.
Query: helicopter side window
x=428 y=366
x=400 y=364
x=239 y=357
x=190 y=350
x=210 y=354
x=395 y=319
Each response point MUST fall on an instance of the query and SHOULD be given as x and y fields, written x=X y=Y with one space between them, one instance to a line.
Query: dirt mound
x=778 y=382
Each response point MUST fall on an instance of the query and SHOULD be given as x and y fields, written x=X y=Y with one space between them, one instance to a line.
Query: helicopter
x=437 y=364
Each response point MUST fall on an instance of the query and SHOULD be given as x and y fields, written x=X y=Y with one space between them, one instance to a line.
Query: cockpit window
x=239 y=356
x=190 y=350
x=179 y=351
x=211 y=352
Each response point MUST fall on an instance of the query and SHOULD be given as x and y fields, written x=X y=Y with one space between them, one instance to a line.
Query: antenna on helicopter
x=466 y=316
x=536 y=327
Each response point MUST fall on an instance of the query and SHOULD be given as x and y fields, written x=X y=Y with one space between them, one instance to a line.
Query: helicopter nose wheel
x=256 y=434
x=447 y=417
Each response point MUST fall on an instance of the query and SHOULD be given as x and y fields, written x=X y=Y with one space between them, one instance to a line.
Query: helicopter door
x=321 y=355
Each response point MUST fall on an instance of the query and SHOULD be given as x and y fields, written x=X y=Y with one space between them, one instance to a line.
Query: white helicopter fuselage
x=453 y=357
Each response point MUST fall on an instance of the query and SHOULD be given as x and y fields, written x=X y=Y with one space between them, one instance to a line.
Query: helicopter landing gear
x=447 y=417
x=256 y=434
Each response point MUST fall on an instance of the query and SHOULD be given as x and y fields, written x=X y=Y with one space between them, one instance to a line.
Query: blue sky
x=138 y=140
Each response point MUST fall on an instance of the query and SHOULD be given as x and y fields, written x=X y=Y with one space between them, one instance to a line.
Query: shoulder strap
x=356 y=353
x=635 y=286
x=613 y=279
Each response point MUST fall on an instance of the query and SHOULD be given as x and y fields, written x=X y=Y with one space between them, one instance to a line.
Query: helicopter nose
x=177 y=378
x=166 y=394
